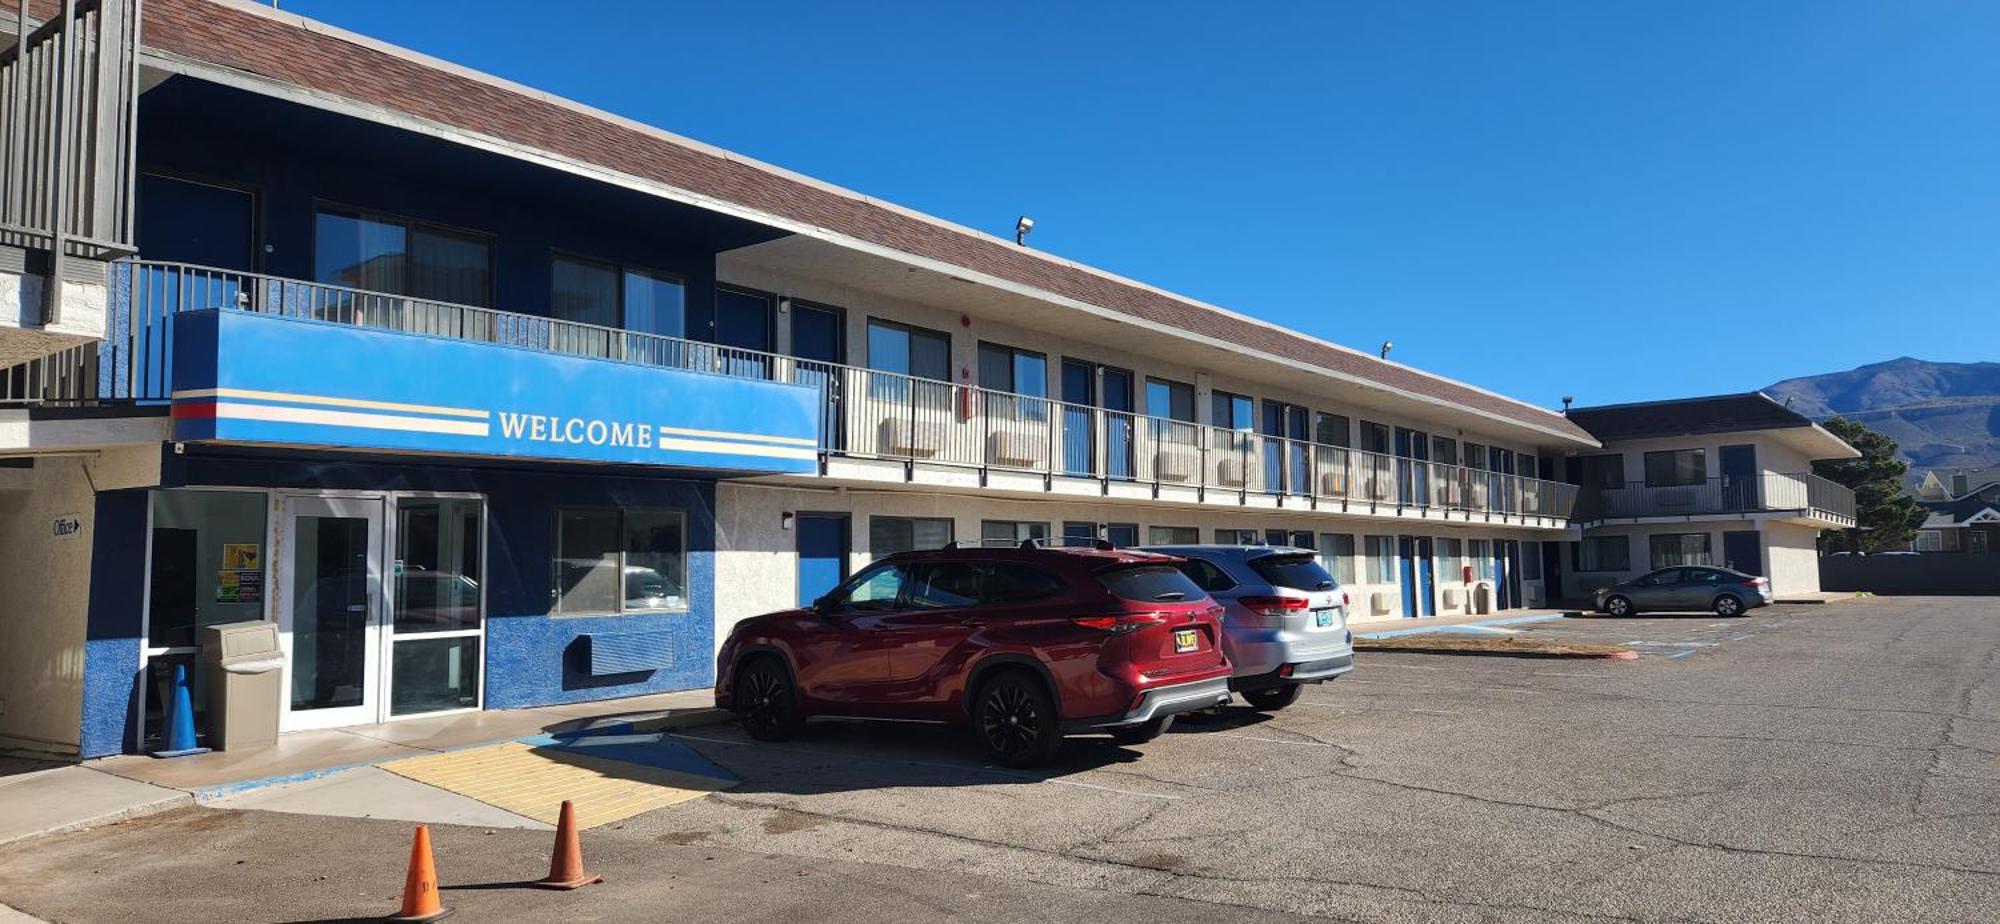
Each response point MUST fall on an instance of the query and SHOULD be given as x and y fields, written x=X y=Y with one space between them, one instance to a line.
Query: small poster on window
x=239 y=586
x=240 y=556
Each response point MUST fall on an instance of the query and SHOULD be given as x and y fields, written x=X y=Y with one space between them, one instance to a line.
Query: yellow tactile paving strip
x=533 y=781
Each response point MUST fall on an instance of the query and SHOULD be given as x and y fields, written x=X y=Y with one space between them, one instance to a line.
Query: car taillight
x=1273 y=606
x=1754 y=582
x=1344 y=601
x=1120 y=623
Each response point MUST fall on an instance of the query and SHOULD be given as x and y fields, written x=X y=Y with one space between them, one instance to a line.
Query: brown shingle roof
x=282 y=49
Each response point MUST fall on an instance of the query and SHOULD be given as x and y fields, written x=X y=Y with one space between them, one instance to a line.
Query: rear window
x=1151 y=584
x=1299 y=572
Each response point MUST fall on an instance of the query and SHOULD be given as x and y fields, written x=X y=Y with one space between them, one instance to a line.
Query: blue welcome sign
x=255 y=378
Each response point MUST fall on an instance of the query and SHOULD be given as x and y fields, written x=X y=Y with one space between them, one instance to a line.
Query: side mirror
x=823 y=606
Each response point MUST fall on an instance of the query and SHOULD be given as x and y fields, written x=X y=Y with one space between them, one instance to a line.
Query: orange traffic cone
x=420 y=890
x=566 y=864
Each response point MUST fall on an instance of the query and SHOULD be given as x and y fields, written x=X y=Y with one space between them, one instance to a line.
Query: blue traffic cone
x=180 y=720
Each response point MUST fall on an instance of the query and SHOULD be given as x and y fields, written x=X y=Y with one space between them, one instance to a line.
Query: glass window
x=1475 y=456
x=1122 y=535
x=1676 y=467
x=207 y=564
x=437 y=564
x=890 y=535
x=1604 y=553
x=1011 y=532
x=1236 y=537
x=358 y=252
x=1450 y=555
x=387 y=254
x=1172 y=535
x=1338 y=548
x=875 y=589
x=584 y=291
x=1930 y=540
x=1673 y=549
x=1374 y=437
x=907 y=350
x=655 y=304
x=1531 y=560
x=1382 y=558
x=1602 y=471
x=1005 y=368
x=1480 y=555
x=1232 y=411
x=1169 y=399
x=619 y=561
x=1331 y=429
x=1012 y=582
x=1150 y=583
x=942 y=585
x=1301 y=572
x=1206 y=575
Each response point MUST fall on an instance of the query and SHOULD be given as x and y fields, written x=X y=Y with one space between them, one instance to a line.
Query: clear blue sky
x=1618 y=200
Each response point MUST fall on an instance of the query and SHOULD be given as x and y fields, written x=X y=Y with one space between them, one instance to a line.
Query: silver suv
x=1285 y=618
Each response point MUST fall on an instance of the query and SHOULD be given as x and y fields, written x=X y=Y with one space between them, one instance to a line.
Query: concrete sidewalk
x=1391 y=628
x=308 y=772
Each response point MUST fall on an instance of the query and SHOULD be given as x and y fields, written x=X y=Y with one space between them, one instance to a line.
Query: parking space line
x=1309 y=744
x=975 y=768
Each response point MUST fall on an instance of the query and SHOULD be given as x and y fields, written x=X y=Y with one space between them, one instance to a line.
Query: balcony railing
x=865 y=414
x=1729 y=494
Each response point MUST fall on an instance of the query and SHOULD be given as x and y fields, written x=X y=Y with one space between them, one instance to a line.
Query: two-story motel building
x=489 y=399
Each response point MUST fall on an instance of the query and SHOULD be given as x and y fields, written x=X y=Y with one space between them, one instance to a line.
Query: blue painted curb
x=1425 y=630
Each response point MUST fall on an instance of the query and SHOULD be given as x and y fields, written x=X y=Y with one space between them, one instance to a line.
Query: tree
x=1885 y=516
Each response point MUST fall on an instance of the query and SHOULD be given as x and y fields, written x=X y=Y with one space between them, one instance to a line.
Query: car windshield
x=1150 y=584
x=1301 y=572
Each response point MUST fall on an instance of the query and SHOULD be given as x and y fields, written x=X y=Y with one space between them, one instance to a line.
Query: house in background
x=1724 y=480
x=1953 y=483
x=1968 y=520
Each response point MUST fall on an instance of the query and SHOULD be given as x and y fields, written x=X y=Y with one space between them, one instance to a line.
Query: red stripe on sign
x=198 y=410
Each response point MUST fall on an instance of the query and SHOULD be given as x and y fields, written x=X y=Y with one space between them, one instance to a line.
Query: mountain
x=1943 y=415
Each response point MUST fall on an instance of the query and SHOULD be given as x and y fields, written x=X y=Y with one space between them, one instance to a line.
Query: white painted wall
x=1790 y=559
x=22 y=336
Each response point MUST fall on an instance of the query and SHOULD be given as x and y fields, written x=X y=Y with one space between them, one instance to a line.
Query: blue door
x=822 y=554
x=1426 y=578
x=1501 y=598
x=1406 y=571
x=817 y=337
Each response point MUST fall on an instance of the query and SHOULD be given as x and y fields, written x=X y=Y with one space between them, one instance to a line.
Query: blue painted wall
x=111 y=639
x=532 y=658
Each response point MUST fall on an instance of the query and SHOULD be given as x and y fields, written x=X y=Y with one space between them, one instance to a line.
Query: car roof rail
x=1063 y=542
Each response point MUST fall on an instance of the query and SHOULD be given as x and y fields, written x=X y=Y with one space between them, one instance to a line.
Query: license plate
x=1322 y=618
x=1186 y=640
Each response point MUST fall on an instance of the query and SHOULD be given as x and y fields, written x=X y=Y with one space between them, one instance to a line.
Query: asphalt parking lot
x=1803 y=763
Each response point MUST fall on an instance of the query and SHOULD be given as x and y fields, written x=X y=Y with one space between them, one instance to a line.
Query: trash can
x=242 y=661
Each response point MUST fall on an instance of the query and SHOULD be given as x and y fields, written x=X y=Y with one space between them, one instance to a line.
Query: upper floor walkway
x=873 y=425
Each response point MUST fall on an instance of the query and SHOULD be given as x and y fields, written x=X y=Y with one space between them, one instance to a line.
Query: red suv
x=1024 y=644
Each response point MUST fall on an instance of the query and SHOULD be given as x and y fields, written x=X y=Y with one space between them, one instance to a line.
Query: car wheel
x=1272 y=699
x=1016 y=720
x=1619 y=606
x=766 y=704
x=1143 y=732
x=1728 y=605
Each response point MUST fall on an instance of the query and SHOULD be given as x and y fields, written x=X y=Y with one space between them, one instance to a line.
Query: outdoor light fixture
x=1386 y=347
x=1566 y=400
x=1022 y=226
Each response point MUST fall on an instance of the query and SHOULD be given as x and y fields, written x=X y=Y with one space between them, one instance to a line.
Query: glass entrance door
x=330 y=611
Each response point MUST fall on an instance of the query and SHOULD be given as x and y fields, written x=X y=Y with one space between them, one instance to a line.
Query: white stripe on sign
x=745 y=437
x=306 y=415
x=330 y=402
x=738 y=449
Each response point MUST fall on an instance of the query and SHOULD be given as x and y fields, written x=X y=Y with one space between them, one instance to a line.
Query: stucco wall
x=1789 y=558
x=44 y=580
x=1792 y=558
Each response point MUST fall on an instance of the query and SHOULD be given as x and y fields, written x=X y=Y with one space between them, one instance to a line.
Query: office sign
x=255 y=378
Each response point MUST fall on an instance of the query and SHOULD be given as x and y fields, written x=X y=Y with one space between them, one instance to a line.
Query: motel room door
x=330 y=601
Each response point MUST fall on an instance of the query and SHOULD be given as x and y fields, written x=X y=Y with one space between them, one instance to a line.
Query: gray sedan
x=1691 y=589
x=1284 y=620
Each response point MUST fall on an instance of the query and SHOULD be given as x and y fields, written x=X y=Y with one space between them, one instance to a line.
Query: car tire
x=766 y=703
x=1143 y=732
x=1619 y=606
x=1729 y=605
x=1272 y=699
x=1015 y=718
